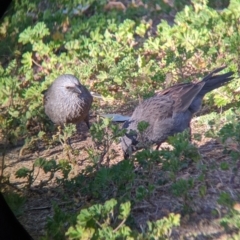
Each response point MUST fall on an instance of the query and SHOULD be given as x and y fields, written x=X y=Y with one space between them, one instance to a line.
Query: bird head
x=72 y=84
x=68 y=82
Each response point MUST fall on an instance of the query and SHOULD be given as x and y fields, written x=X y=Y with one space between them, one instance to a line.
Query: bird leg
x=190 y=132
x=158 y=146
x=86 y=120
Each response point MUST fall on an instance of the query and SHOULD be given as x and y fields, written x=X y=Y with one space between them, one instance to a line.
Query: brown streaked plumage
x=67 y=101
x=170 y=111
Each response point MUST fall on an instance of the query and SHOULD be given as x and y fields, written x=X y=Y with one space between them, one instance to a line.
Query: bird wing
x=155 y=108
x=182 y=94
x=157 y=111
x=159 y=106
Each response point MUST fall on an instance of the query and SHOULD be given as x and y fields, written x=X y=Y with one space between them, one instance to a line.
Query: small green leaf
x=23 y=172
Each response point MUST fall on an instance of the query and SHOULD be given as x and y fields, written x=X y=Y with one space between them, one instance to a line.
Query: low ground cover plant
x=123 y=53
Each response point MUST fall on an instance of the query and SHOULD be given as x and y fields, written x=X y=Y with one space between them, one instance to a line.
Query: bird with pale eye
x=67 y=101
x=170 y=111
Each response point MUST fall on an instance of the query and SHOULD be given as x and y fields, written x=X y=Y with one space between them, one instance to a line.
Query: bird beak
x=78 y=89
x=75 y=89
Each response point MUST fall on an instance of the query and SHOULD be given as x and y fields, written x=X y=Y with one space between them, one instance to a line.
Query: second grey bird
x=169 y=111
x=67 y=101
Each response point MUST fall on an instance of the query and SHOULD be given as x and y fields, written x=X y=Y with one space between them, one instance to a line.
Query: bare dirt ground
x=201 y=224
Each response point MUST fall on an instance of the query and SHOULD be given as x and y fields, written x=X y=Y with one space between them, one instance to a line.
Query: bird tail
x=215 y=81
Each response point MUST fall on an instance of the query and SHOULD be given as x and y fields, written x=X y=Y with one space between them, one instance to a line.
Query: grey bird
x=67 y=101
x=168 y=112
